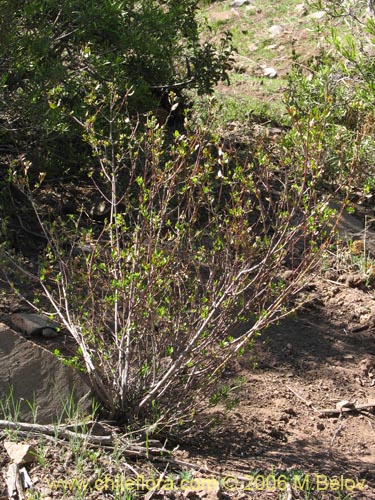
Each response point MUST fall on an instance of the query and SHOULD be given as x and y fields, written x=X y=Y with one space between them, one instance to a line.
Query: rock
x=20 y=453
x=35 y=324
x=330 y=275
x=49 y=333
x=344 y=404
x=274 y=132
x=276 y=30
x=355 y=280
x=301 y=9
x=287 y=275
x=240 y=68
x=348 y=357
x=367 y=367
x=270 y=72
x=238 y=3
x=320 y=14
x=253 y=9
x=36 y=381
x=357 y=247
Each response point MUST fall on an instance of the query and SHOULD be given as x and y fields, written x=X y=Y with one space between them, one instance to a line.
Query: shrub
x=52 y=53
x=193 y=249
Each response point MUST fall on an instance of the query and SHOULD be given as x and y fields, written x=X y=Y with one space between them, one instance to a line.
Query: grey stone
x=253 y=9
x=49 y=333
x=35 y=324
x=239 y=3
x=36 y=381
x=318 y=15
x=276 y=30
x=275 y=131
x=270 y=72
x=301 y=9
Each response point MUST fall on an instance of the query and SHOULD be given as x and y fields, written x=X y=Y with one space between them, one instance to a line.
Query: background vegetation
x=55 y=54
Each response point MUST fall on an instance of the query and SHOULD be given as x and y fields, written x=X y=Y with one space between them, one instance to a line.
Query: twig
x=308 y=403
x=334 y=282
x=125 y=464
x=172 y=86
x=136 y=449
x=51 y=430
x=333 y=412
x=151 y=493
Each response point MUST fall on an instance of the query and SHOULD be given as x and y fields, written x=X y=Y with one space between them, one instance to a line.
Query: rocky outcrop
x=35 y=385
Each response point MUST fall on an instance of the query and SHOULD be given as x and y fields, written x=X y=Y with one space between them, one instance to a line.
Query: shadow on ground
x=307 y=363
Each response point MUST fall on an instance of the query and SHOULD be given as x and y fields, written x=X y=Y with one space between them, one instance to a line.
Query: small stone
x=364 y=320
x=239 y=3
x=253 y=9
x=357 y=247
x=33 y=324
x=301 y=9
x=348 y=357
x=344 y=404
x=276 y=30
x=49 y=333
x=99 y=209
x=240 y=68
x=270 y=72
x=20 y=453
x=287 y=275
x=274 y=132
x=330 y=275
x=291 y=412
x=320 y=14
x=354 y=280
x=367 y=366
